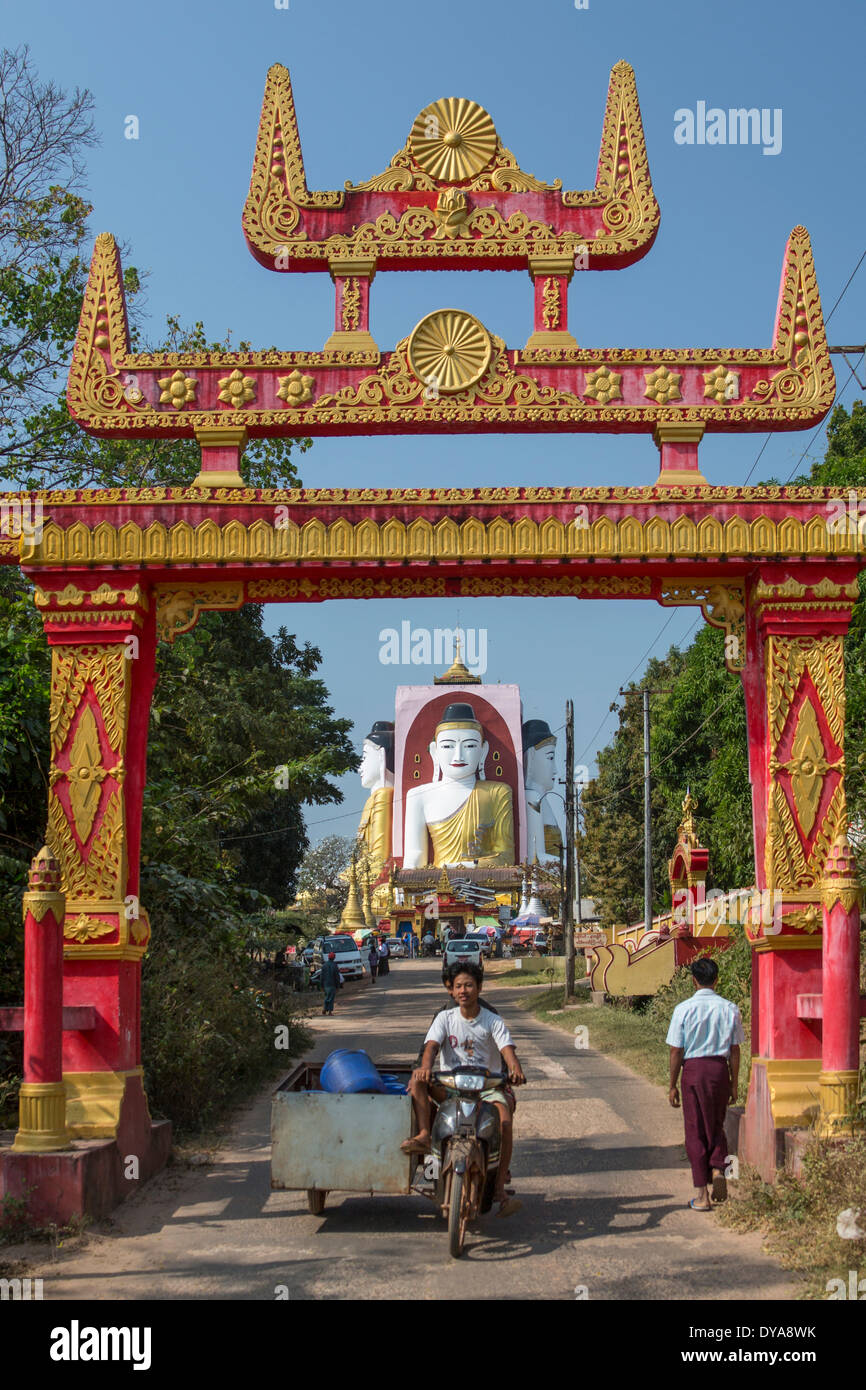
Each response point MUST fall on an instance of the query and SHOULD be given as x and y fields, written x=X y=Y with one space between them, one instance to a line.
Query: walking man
x=704 y=1038
x=331 y=982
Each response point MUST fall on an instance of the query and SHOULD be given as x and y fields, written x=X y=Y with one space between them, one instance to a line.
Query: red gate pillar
x=840 y=1061
x=794 y=682
x=42 y=1097
x=103 y=646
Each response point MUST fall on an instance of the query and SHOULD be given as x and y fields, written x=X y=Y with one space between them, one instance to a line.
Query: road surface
x=599 y=1163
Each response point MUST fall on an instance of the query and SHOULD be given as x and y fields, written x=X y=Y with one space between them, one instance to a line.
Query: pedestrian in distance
x=331 y=982
x=373 y=959
x=384 y=957
x=704 y=1038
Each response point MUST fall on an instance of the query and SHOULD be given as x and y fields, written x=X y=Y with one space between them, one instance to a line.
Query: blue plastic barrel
x=353 y=1073
x=393 y=1085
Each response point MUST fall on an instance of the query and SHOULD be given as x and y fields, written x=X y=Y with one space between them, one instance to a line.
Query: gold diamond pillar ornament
x=86 y=774
x=449 y=350
x=453 y=139
x=808 y=767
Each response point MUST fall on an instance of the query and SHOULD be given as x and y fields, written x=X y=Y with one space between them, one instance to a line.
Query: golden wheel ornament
x=453 y=139
x=449 y=350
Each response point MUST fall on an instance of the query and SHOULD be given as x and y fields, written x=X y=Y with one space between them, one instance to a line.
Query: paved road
x=599 y=1163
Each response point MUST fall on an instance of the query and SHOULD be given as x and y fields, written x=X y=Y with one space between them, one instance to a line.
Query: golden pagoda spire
x=353 y=919
x=457 y=673
x=367 y=904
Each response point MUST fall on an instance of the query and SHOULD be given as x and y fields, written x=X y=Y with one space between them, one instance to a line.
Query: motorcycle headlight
x=469 y=1081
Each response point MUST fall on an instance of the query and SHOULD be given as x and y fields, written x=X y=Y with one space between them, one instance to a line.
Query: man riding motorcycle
x=466 y=1035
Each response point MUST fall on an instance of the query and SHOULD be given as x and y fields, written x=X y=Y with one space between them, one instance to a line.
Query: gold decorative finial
x=687 y=832
x=457 y=673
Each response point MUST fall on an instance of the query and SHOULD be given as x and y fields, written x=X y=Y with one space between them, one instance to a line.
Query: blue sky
x=194 y=74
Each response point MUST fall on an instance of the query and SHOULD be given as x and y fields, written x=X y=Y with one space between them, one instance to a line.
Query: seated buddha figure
x=377 y=777
x=543 y=836
x=468 y=819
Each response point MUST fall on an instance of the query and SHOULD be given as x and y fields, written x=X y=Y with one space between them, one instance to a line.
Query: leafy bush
x=208 y=1030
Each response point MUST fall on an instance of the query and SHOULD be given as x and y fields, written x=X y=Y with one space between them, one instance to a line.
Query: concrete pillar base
x=42 y=1117
x=838 y=1093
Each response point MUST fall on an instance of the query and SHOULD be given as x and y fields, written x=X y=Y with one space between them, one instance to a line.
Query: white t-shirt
x=477 y=1040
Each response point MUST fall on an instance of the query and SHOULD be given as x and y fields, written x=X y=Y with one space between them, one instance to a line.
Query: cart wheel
x=316 y=1200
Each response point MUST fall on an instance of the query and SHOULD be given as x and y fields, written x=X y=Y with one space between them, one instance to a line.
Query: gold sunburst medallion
x=453 y=139
x=449 y=350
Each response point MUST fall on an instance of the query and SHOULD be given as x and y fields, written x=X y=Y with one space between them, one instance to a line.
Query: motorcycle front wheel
x=456 y=1217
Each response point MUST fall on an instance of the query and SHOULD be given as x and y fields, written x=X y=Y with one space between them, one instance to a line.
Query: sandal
x=720 y=1187
x=416 y=1145
x=696 y=1207
x=509 y=1206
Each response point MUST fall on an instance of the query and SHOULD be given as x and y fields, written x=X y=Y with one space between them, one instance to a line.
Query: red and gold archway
x=117 y=571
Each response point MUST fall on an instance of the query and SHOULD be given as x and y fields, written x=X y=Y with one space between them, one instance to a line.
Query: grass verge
x=630 y=1037
x=801 y=1217
x=547 y=975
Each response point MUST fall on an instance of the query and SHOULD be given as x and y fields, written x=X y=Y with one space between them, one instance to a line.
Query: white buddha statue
x=468 y=819
x=543 y=836
x=377 y=777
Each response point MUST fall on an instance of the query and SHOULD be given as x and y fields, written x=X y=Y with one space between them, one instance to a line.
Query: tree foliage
x=699 y=739
x=321 y=881
x=242 y=737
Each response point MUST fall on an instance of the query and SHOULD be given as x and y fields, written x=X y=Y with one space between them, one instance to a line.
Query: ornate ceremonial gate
x=117 y=571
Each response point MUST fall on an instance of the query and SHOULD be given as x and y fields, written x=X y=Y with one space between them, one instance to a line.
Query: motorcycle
x=466 y=1145
x=428 y=948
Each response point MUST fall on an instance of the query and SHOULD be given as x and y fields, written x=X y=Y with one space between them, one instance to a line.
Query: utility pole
x=647 y=809
x=568 y=905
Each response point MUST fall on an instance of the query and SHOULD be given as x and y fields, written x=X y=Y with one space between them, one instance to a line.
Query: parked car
x=484 y=941
x=397 y=946
x=463 y=949
x=346 y=955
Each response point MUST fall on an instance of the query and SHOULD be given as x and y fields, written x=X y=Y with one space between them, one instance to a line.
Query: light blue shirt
x=705 y=1025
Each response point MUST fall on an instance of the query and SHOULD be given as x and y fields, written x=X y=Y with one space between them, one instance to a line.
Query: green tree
x=241 y=737
x=321 y=878
x=697 y=741
x=612 y=842
x=44 y=135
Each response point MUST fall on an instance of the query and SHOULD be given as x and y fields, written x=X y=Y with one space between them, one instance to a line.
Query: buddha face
x=372 y=767
x=541 y=767
x=458 y=753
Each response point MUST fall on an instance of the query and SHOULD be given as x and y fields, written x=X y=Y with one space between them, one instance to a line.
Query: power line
x=620 y=791
x=654 y=643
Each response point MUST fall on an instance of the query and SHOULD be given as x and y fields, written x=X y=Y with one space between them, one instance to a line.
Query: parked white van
x=346 y=956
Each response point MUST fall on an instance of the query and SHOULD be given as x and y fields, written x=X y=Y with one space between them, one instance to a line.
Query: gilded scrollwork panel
x=90 y=693
x=806 y=811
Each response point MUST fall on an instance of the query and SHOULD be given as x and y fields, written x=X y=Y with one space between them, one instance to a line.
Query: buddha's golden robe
x=482 y=828
x=374 y=827
x=552 y=838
